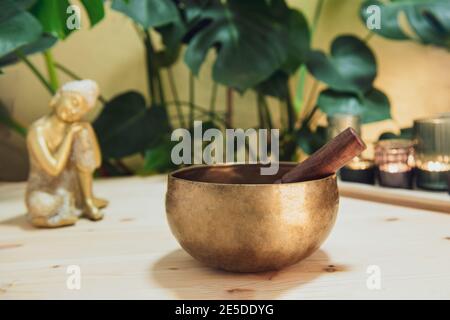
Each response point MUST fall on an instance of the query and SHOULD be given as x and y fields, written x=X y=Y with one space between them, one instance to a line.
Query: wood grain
x=132 y=254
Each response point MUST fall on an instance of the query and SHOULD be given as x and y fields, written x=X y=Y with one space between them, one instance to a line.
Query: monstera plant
x=35 y=26
x=259 y=45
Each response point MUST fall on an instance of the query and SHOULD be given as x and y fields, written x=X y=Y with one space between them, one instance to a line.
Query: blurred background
x=413 y=73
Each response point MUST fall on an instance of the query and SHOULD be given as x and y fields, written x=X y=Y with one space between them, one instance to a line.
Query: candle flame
x=435 y=166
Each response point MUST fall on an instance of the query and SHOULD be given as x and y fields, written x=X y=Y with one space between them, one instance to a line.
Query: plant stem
x=290 y=111
x=303 y=71
x=52 y=75
x=317 y=13
x=212 y=103
x=175 y=96
x=191 y=99
x=74 y=76
x=15 y=126
x=266 y=110
x=68 y=72
x=196 y=107
x=262 y=120
x=311 y=115
x=36 y=72
x=300 y=90
x=150 y=68
x=159 y=83
x=229 y=111
x=154 y=76
x=368 y=37
x=283 y=116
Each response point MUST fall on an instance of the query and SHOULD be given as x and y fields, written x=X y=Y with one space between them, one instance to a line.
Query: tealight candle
x=432 y=152
x=395 y=161
x=359 y=170
x=448 y=182
x=433 y=175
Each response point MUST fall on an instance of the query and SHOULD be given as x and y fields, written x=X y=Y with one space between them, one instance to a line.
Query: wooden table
x=132 y=254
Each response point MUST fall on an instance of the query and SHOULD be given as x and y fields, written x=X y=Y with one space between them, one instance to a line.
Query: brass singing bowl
x=230 y=217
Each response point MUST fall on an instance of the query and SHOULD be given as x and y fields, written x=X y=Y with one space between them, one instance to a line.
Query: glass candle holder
x=359 y=170
x=340 y=121
x=395 y=162
x=432 y=138
x=448 y=183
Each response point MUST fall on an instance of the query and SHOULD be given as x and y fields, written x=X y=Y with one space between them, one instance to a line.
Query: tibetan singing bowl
x=230 y=217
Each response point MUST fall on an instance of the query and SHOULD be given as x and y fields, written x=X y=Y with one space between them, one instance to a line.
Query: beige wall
x=416 y=78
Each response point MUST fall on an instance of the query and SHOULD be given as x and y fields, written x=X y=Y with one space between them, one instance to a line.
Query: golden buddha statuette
x=64 y=153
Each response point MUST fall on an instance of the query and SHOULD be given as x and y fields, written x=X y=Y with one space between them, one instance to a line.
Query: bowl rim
x=195 y=167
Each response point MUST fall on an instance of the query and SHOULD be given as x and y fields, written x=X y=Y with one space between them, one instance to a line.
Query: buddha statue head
x=74 y=99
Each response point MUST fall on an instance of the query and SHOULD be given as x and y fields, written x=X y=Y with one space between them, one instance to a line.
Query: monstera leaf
x=351 y=66
x=53 y=15
x=148 y=13
x=250 y=42
x=17 y=27
x=311 y=141
x=45 y=42
x=95 y=10
x=428 y=19
x=276 y=86
x=299 y=39
x=126 y=126
x=298 y=48
x=373 y=106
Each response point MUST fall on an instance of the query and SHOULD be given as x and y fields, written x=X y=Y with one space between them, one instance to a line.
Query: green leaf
x=172 y=34
x=95 y=10
x=250 y=43
x=17 y=27
x=158 y=158
x=43 y=43
x=298 y=41
x=24 y=4
x=126 y=126
x=298 y=48
x=148 y=13
x=351 y=66
x=276 y=86
x=373 y=106
x=311 y=141
x=428 y=19
x=53 y=16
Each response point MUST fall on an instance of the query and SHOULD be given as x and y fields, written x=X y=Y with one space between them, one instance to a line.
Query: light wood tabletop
x=132 y=254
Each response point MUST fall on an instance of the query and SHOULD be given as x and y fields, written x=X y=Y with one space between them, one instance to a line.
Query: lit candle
x=433 y=152
x=394 y=159
x=434 y=166
x=359 y=170
x=395 y=167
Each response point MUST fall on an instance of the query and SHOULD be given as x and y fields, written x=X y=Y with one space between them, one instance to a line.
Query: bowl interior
x=231 y=174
